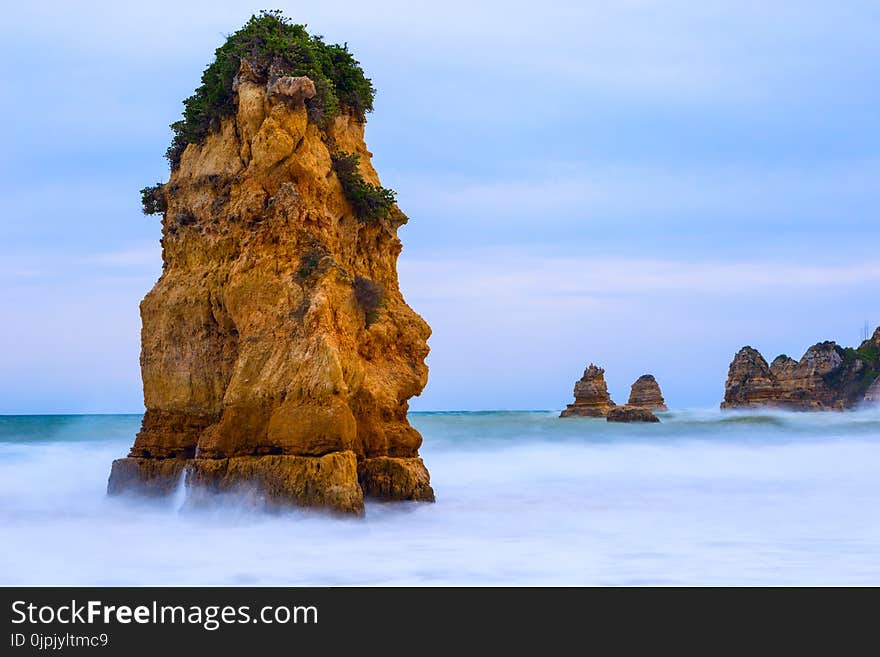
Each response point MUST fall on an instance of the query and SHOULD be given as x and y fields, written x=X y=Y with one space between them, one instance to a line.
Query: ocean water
x=522 y=498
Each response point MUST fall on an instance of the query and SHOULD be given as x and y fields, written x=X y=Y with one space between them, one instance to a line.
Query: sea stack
x=591 y=398
x=827 y=377
x=645 y=393
x=278 y=353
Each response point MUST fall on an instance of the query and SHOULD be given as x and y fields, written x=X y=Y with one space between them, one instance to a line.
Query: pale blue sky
x=645 y=185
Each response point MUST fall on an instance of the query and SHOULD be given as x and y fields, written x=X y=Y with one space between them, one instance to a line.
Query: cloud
x=137 y=257
x=560 y=193
x=49 y=273
x=504 y=276
x=514 y=329
x=674 y=49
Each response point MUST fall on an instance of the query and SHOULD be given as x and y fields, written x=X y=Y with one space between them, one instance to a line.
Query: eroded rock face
x=295 y=89
x=631 y=414
x=591 y=398
x=872 y=397
x=749 y=380
x=827 y=377
x=395 y=479
x=259 y=364
x=645 y=393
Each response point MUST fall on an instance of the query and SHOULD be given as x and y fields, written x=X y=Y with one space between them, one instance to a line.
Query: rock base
x=395 y=479
x=631 y=414
x=335 y=482
x=327 y=482
x=149 y=477
x=584 y=410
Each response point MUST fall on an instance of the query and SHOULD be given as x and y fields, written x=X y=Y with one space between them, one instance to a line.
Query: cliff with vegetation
x=277 y=350
x=827 y=377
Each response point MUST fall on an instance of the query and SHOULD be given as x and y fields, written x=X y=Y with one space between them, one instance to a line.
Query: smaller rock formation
x=827 y=377
x=631 y=414
x=645 y=393
x=591 y=398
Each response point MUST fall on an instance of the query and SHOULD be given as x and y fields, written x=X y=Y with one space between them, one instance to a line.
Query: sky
x=644 y=185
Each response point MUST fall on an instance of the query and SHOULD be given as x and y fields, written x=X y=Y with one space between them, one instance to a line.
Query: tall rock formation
x=827 y=377
x=278 y=353
x=591 y=398
x=645 y=393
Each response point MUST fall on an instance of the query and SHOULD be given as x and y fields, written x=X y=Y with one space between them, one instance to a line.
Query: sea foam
x=522 y=498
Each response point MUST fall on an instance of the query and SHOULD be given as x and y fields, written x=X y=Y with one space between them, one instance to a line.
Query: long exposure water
x=522 y=498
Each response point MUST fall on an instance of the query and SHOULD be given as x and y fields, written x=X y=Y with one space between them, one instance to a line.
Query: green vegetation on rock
x=868 y=354
x=153 y=199
x=273 y=46
x=311 y=261
x=370 y=202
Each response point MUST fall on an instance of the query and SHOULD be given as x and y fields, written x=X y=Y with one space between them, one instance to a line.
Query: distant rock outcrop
x=827 y=377
x=645 y=393
x=631 y=414
x=591 y=398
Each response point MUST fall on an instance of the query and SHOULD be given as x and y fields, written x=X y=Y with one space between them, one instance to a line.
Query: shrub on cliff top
x=273 y=46
x=370 y=202
x=868 y=354
x=153 y=199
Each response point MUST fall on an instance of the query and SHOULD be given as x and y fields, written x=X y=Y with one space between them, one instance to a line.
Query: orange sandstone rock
x=259 y=364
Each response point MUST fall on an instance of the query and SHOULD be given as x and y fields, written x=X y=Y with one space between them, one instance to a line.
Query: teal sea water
x=522 y=498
